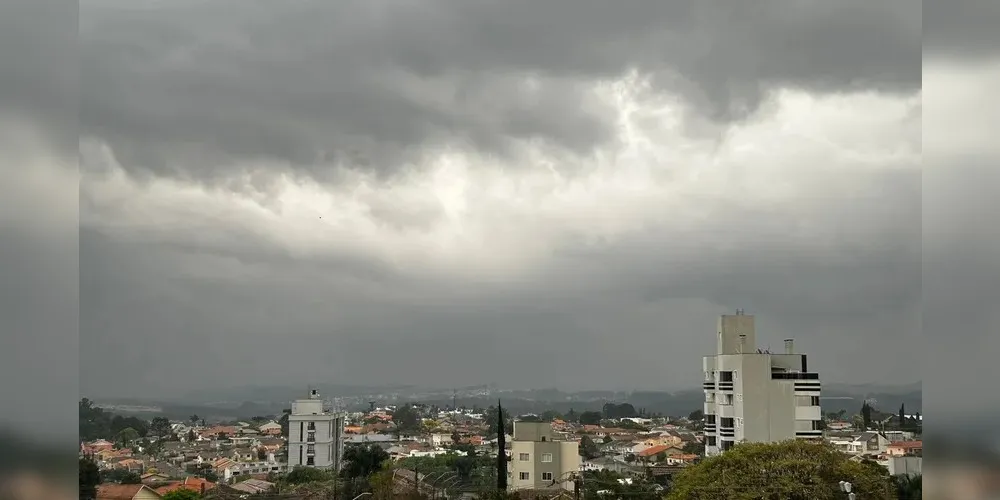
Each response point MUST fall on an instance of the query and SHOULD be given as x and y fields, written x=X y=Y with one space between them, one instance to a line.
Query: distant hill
x=251 y=401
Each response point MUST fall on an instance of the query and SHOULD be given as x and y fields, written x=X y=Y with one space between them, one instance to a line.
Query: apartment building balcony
x=807 y=388
x=726 y=411
x=725 y=386
x=708 y=386
x=808 y=413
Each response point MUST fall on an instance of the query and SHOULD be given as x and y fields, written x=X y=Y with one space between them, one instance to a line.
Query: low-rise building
x=539 y=461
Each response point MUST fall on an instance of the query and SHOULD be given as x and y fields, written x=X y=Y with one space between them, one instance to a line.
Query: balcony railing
x=794 y=376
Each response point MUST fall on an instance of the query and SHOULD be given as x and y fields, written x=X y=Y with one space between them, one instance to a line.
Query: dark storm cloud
x=630 y=312
x=961 y=29
x=38 y=220
x=192 y=86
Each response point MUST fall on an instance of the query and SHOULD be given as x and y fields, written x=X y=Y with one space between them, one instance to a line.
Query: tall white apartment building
x=752 y=395
x=315 y=434
x=539 y=462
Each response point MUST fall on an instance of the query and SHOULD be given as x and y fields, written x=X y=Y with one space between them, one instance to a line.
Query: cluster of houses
x=245 y=456
x=901 y=452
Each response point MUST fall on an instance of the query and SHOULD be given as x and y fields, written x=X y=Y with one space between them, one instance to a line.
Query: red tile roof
x=189 y=483
x=119 y=491
x=907 y=445
x=649 y=452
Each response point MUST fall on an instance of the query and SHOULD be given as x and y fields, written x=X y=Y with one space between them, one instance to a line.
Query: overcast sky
x=533 y=194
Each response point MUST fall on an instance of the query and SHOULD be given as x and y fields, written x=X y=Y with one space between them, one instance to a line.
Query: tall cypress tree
x=501 y=451
x=902 y=416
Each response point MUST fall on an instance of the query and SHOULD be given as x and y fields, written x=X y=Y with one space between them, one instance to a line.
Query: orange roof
x=119 y=491
x=907 y=444
x=648 y=452
x=189 y=483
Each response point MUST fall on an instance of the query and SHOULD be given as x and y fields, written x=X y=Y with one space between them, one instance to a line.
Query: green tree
x=193 y=419
x=550 y=415
x=90 y=477
x=182 y=494
x=696 y=416
x=160 y=427
x=588 y=448
x=607 y=439
x=406 y=419
x=363 y=461
x=121 y=476
x=624 y=410
x=491 y=421
x=572 y=416
x=590 y=418
x=908 y=487
x=790 y=470
x=127 y=437
x=192 y=437
x=694 y=448
x=302 y=475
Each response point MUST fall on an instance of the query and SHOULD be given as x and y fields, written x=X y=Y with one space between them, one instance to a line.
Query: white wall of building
x=314 y=433
x=742 y=390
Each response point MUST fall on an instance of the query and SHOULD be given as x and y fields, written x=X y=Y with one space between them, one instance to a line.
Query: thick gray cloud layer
x=181 y=83
x=468 y=192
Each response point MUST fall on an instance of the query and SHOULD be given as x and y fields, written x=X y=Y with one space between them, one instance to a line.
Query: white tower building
x=752 y=395
x=315 y=434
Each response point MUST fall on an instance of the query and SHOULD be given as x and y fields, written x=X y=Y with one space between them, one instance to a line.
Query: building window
x=312 y=426
x=814 y=400
x=546 y=457
x=710 y=441
x=524 y=457
x=725 y=376
x=310 y=461
x=546 y=476
x=524 y=476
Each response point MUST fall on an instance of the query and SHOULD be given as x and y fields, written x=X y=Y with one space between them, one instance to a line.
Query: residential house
x=868 y=443
x=905 y=448
x=196 y=484
x=154 y=477
x=681 y=459
x=606 y=463
x=126 y=492
x=839 y=425
x=270 y=429
x=94 y=447
x=650 y=454
x=253 y=486
x=440 y=439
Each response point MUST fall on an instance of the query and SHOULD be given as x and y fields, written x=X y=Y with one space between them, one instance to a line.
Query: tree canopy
x=491 y=421
x=182 y=494
x=790 y=470
x=363 y=461
x=624 y=410
x=406 y=419
x=590 y=418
